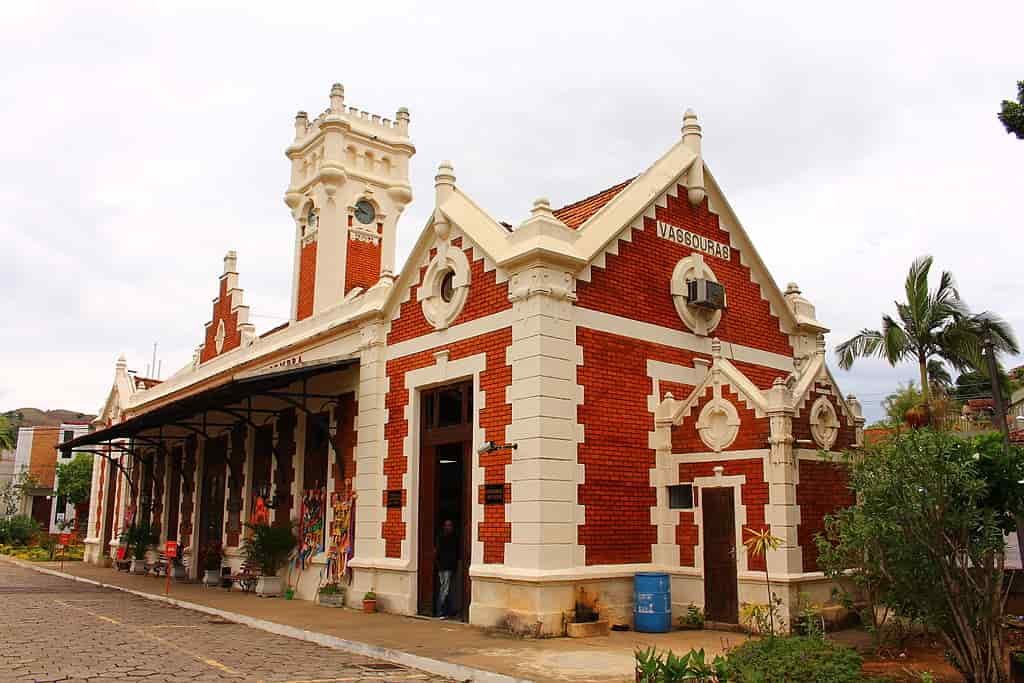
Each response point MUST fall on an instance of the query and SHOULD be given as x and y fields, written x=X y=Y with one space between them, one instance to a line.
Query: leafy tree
x=927 y=537
x=1012 y=113
x=74 y=479
x=931 y=325
x=897 y=404
x=8 y=435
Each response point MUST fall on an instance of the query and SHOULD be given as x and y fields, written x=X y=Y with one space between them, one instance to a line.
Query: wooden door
x=211 y=505
x=721 y=600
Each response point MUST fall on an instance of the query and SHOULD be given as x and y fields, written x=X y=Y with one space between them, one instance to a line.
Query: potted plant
x=370 y=602
x=693 y=619
x=331 y=595
x=212 y=558
x=138 y=537
x=268 y=548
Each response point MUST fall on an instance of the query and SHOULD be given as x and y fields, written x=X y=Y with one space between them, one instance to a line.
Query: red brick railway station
x=611 y=387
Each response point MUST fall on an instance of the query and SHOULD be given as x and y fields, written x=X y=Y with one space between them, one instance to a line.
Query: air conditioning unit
x=705 y=294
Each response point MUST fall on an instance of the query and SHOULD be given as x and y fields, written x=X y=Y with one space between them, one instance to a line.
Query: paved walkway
x=467 y=651
x=52 y=629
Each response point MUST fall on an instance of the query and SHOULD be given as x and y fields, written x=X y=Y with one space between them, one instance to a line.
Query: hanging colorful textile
x=342 y=530
x=260 y=513
x=311 y=526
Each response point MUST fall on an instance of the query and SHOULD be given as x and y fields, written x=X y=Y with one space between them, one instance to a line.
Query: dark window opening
x=68 y=435
x=680 y=497
x=449 y=407
x=448 y=286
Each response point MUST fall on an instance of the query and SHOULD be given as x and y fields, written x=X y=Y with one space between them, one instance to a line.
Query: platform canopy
x=217 y=407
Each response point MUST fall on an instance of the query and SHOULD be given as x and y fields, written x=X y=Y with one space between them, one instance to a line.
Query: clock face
x=364 y=212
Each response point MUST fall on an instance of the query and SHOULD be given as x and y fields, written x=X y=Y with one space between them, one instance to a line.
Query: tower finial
x=337 y=98
x=301 y=124
x=695 y=176
x=444 y=181
x=402 y=120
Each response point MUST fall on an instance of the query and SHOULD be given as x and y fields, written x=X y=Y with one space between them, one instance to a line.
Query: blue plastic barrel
x=652 y=602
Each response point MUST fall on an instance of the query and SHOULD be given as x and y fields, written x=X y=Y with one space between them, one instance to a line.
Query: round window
x=448 y=286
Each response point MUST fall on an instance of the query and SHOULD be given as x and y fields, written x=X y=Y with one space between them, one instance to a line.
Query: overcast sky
x=141 y=143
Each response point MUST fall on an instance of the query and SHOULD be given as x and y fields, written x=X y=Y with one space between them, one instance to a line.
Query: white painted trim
x=736 y=482
x=456 y=333
x=666 y=336
x=441 y=372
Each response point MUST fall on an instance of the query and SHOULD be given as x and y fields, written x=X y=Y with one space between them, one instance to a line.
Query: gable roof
x=576 y=214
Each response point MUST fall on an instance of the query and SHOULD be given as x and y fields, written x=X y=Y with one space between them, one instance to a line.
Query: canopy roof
x=235 y=389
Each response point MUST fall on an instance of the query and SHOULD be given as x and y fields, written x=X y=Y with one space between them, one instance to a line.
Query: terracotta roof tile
x=576 y=214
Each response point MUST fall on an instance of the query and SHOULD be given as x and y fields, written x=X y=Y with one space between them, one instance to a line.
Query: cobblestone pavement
x=53 y=629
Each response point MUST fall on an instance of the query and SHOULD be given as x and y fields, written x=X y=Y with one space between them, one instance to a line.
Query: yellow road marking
x=198 y=657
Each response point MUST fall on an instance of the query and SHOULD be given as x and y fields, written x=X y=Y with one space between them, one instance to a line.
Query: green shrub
x=268 y=547
x=793 y=660
x=18 y=530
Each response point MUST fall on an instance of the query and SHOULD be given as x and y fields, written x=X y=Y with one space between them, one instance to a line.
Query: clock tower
x=349 y=185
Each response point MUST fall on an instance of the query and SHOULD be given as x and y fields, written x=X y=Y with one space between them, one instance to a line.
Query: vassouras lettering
x=693 y=241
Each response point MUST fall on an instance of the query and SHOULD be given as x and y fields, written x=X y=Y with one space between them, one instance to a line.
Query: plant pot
x=586 y=629
x=269 y=586
x=331 y=599
x=138 y=567
x=369 y=606
x=211 y=577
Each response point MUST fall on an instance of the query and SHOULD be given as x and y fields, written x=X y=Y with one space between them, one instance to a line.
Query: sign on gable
x=674 y=233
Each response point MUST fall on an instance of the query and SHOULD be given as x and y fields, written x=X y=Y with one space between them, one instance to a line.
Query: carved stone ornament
x=718 y=424
x=445 y=287
x=824 y=423
x=699 y=320
x=218 y=341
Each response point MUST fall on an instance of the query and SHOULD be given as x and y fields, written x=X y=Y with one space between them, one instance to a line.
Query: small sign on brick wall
x=494 y=494
x=394 y=498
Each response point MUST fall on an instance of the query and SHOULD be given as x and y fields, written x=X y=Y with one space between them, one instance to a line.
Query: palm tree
x=930 y=325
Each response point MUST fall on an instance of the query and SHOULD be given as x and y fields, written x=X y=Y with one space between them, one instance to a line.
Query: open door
x=721 y=595
x=445 y=496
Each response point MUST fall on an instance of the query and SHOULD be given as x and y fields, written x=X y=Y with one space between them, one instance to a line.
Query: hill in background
x=34 y=417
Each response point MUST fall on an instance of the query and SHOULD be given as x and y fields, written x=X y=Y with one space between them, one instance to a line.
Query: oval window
x=448 y=286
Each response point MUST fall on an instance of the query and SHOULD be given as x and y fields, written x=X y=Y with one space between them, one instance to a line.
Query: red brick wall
x=802 y=423
x=362 y=264
x=494 y=417
x=345 y=438
x=753 y=432
x=753 y=494
x=644 y=267
x=822 y=490
x=485 y=297
x=188 y=489
x=307 y=281
x=221 y=311
x=285 y=472
x=616 y=492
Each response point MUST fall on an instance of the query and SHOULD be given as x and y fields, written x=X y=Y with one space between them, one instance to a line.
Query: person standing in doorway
x=446 y=554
